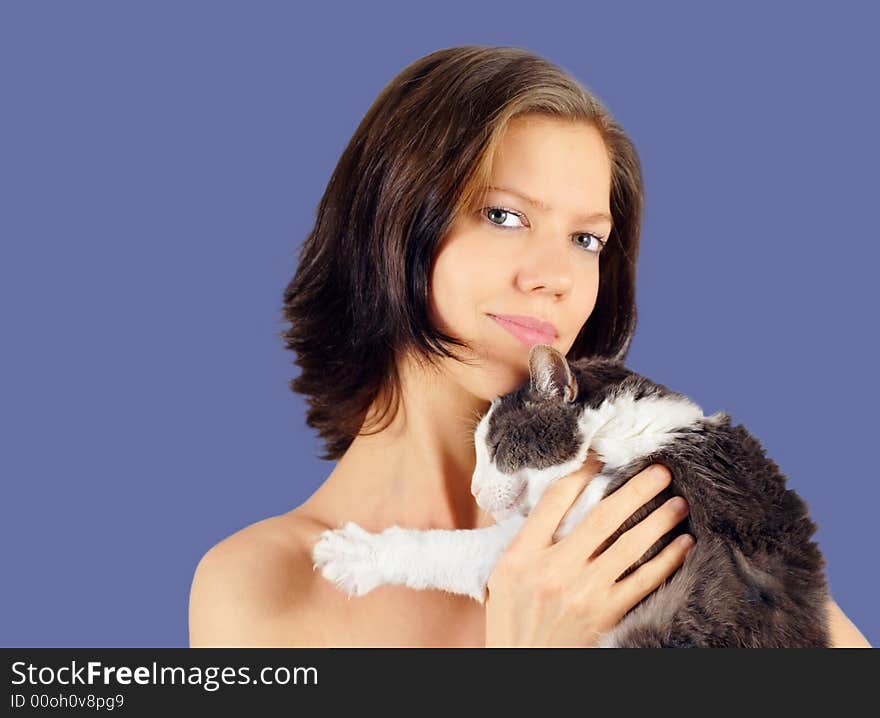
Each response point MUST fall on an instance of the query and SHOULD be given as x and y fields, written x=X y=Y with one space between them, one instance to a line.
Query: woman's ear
x=550 y=374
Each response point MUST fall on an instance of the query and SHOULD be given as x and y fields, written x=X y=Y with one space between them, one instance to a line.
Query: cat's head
x=532 y=435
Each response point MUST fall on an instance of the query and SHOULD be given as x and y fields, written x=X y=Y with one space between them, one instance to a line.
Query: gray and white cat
x=754 y=578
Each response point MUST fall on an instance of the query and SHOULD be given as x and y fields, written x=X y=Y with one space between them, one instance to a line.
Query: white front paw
x=348 y=557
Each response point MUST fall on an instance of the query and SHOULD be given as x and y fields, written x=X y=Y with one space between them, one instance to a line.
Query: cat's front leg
x=458 y=561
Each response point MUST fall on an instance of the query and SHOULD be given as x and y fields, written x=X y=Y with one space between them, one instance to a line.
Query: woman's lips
x=527 y=335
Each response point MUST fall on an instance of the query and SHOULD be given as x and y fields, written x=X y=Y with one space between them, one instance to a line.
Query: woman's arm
x=844 y=633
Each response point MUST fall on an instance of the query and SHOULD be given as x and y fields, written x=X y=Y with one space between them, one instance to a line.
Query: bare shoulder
x=255 y=587
x=844 y=633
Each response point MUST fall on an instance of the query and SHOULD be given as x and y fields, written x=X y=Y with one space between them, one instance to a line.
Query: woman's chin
x=508 y=375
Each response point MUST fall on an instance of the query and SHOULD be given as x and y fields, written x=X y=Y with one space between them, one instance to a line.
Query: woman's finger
x=609 y=514
x=543 y=520
x=631 y=545
x=648 y=577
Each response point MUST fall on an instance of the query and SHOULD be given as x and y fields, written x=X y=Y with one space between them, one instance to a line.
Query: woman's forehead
x=553 y=164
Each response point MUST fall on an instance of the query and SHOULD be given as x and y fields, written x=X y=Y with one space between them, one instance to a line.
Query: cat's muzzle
x=500 y=497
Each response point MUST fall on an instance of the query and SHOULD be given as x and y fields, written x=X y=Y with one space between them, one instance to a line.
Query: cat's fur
x=754 y=577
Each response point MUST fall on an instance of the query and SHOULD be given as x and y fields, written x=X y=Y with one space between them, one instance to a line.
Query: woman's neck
x=416 y=472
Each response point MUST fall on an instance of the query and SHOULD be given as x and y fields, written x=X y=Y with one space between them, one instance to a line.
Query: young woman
x=485 y=190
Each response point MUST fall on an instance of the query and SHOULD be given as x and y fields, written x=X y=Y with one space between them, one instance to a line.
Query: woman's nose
x=547 y=269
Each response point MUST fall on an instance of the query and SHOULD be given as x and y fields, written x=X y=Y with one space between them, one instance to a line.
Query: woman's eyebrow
x=589 y=217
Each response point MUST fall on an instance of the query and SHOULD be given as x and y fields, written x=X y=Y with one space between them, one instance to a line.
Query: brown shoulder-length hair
x=418 y=159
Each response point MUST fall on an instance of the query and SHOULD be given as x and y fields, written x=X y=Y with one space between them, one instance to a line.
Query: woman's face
x=511 y=257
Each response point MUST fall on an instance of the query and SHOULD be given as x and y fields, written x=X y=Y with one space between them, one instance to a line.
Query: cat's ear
x=550 y=373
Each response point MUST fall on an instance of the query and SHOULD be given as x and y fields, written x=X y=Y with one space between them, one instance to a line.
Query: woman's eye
x=592 y=242
x=498 y=215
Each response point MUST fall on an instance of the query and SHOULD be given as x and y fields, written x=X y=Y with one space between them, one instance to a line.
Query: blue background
x=162 y=161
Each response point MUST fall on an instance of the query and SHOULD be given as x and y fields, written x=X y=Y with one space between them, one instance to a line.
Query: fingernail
x=659 y=475
x=685 y=540
x=679 y=505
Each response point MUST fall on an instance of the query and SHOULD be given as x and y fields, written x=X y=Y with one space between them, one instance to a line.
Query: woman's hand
x=543 y=594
